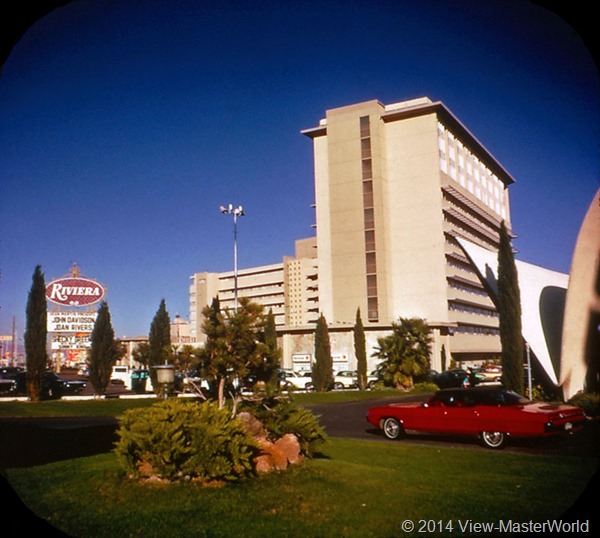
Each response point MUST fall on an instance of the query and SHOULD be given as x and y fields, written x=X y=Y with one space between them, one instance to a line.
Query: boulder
x=272 y=456
x=252 y=425
x=278 y=455
x=289 y=447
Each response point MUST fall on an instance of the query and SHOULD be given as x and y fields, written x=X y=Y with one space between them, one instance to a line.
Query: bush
x=279 y=415
x=177 y=439
x=589 y=402
x=420 y=388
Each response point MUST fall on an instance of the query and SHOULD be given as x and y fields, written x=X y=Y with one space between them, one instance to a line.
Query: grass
x=355 y=489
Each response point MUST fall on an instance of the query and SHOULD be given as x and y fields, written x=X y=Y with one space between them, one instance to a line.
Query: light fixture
x=236 y=212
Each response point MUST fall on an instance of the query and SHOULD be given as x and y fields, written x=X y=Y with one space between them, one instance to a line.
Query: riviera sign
x=74 y=291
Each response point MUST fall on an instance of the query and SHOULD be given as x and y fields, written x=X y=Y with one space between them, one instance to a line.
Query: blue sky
x=125 y=125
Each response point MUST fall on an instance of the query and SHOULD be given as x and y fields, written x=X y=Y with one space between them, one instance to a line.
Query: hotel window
x=369 y=218
x=370 y=240
x=365 y=127
x=367 y=169
x=372 y=308
x=371 y=285
x=365 y=148
x=368 y=193
x=371 y=263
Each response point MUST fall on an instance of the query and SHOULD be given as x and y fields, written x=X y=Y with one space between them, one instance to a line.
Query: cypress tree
x=360 y=350
x=159 y=340
x=322 y=370
x=509 y=309
x=36 y=336
x=267 y=370
x=213 y=360
x=104 y=352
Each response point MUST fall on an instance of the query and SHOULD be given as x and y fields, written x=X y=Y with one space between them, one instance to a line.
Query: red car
x=491 y=413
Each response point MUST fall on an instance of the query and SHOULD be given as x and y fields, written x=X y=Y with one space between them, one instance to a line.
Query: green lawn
x=355 y=489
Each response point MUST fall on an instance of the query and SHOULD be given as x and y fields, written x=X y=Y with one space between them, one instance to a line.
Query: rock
x=289 y=447
x=279 y=455
x=253 y=426
x=272 y=456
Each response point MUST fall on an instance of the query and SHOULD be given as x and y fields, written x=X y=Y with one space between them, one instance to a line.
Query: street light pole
x=528 y=351
x=236 y=212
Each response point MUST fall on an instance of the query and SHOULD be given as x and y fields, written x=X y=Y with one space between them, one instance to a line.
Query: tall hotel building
x=395 y=186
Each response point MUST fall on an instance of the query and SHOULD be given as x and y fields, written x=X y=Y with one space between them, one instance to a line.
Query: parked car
x=298 y=380
x=373 y=378
x=9 y=372
x=53 y=386
x=8 y=386
x=456 y=378
x=492 y=373
x=491 y=413
x=345 y=379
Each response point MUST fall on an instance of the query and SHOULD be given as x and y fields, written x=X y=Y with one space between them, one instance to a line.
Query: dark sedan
x=457 y=378
x=53 y=386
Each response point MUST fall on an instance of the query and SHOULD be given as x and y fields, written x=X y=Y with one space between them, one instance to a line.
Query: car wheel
x=392 y=429
x=493 y=439
x=338 y=386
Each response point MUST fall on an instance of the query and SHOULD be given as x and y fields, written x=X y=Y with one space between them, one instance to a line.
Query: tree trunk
x=221 y=392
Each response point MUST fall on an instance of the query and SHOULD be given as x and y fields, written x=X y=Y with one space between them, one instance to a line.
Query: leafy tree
x=405 y=352
x=322 y=370
x=360 y=350
x=210 y=356
x=36 y=335
x=233 y=349
x=141 y=353
x=105 y=351
x=159 y=340
x=509 y=309
x=184 y=358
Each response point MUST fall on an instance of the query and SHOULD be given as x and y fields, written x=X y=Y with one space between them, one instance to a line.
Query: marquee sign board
x=71 y=322
x=74 y=291
x=71 y=342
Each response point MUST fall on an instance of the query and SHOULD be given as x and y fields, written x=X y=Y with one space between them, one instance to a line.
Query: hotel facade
x=396 y=188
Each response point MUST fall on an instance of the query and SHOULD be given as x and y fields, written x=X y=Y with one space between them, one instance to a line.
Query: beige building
x=288 y=289
x=395 y=186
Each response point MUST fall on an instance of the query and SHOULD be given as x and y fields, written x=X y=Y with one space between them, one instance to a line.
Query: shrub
x=420 y=388
x=177 y=439
x=589 y=402
x=279 y=415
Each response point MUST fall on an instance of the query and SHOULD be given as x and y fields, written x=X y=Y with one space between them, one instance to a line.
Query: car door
x=430 y=417
x=462 y=414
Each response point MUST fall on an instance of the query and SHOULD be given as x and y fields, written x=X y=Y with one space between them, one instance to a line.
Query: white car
x=298 y=380
x=345 y=379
